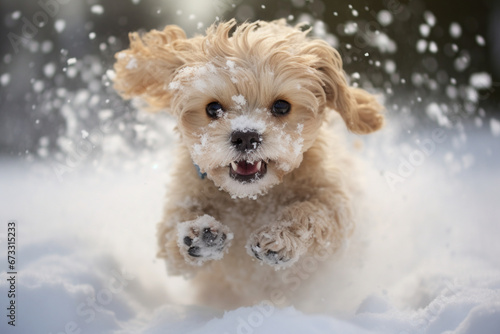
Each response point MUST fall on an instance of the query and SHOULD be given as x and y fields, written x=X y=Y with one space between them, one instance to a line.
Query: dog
x=260 y=182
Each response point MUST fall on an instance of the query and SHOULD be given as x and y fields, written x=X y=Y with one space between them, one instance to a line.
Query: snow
x=436 y=113
x=495 y=127
x=480 y=80
x=425 y=30
x=174 y=85
x=384 y=43
x=198 y=76
x=246 y=123
x=16 y=15
x=384 y=17
x=88 y=253
x=111 y=74
x=201 y=148
x=297 y=146
x=350 y=28
x=97 y=9
x=433 y=47
x=451 y=91
x=319 y=28
x=455 y=30
x=462 y=62
x=430 y=18
x=239 y=100
x=265 y=319
x=38 y=86
x=132 y=63
x=421 y=45
x=60 y=25
x=390 y=66
x=5 y=79
x=71 y=72
x=482 y=319
x=480 y=40
x=231 y=66
x=49 y=70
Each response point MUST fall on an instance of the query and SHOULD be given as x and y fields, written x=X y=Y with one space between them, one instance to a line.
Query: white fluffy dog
x=259 y=183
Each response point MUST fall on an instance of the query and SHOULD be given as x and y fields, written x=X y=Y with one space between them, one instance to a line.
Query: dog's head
x=248 y=103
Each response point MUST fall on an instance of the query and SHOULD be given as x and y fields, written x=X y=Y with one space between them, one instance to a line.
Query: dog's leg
x=324 y=222
x=190 y=243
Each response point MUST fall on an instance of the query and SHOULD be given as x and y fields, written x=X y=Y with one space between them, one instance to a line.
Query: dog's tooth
x=234 y=165
x=259 y=164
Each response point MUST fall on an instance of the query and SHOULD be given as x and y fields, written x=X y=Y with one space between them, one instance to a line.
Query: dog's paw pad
x=275 y=247
x=269 y=256
x=203 y=239
x=188 y=241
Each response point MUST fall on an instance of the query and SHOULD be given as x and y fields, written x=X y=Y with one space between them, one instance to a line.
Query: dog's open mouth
x=245 y=171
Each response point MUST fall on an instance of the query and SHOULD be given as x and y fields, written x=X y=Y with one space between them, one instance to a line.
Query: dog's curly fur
x=220 y=229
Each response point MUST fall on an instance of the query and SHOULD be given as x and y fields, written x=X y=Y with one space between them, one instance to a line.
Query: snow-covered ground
x=430 y=261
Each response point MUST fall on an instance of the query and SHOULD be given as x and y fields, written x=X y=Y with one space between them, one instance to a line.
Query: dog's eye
x=280 y=108
x=214 y=110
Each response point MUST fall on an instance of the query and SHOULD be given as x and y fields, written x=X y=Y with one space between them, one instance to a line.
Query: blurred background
x=435 y=62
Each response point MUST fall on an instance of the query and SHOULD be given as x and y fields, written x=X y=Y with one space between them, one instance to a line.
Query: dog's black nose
x=245 y=140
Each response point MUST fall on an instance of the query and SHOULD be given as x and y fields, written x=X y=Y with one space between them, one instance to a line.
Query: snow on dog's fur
x=251 y=106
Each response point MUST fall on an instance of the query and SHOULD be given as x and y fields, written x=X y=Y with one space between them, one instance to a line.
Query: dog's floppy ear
x=146 y=68
x=359 y=109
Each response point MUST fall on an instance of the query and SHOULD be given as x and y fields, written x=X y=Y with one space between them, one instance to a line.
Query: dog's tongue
x=245 y=168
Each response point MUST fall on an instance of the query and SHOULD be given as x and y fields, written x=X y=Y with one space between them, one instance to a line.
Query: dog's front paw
x=203 y=239
x=276 y=245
